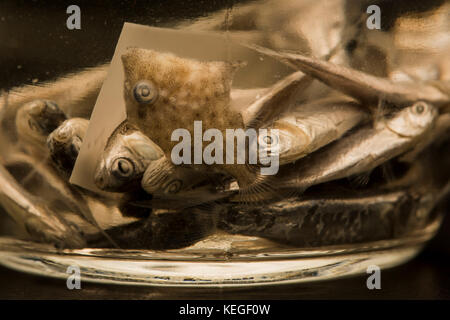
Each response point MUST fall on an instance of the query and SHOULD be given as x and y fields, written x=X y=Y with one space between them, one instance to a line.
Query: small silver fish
x=65 y=142
x=312 y=126
x=365 y=149
x=125 y=159
x=35 y=121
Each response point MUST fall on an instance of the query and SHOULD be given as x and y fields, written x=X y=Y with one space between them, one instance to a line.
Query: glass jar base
x=142 y=267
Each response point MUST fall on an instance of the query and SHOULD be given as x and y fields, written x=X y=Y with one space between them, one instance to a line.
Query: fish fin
x=380 y=111
x=360 y=180
x=263 y=189
x=388 y=172
x=294 y=193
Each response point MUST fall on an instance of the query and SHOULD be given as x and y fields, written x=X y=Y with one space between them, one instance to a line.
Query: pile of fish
x=364 y=160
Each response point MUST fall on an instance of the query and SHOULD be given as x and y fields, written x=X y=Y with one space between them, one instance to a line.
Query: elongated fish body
x=125 y=159
x=38 y=220
x=65 y=142
x=366 y=88
x=35 y=120
x=367 y=148
x=296 y=221
x=314 y=125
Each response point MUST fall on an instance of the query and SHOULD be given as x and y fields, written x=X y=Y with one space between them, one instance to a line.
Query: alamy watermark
x=374 y=280
x=263 y=147
x=74 y=278
x=74 y=20
x=374 y=20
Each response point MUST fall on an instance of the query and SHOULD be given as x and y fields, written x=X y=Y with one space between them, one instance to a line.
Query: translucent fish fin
x=360 y=180
x=294 y=193
x=388 y=171
x=380 y=111
x=263 y=189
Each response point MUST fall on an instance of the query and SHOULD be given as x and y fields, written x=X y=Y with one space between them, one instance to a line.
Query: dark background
x=35 y=44
x=34 y=36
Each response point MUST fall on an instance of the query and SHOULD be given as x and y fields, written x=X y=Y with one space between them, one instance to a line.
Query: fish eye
x=267 y=140
x=122 y=168
x=419 y=108
x=145 y=92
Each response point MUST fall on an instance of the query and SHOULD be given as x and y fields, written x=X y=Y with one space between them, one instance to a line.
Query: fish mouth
x=100 y=176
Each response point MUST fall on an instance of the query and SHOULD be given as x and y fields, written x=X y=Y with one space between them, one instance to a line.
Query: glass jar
x=382 y=216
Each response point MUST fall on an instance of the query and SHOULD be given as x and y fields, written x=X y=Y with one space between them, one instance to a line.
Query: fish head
x=38 y=118
x=414 y=120
x=164 y=92
x=65 y=142
x=124 y=161
x=287 y=143
x=70 y=132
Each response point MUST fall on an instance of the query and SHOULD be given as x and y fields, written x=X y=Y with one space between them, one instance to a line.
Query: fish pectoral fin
x=388 y=171
x=263 y=189
x=360 y=180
